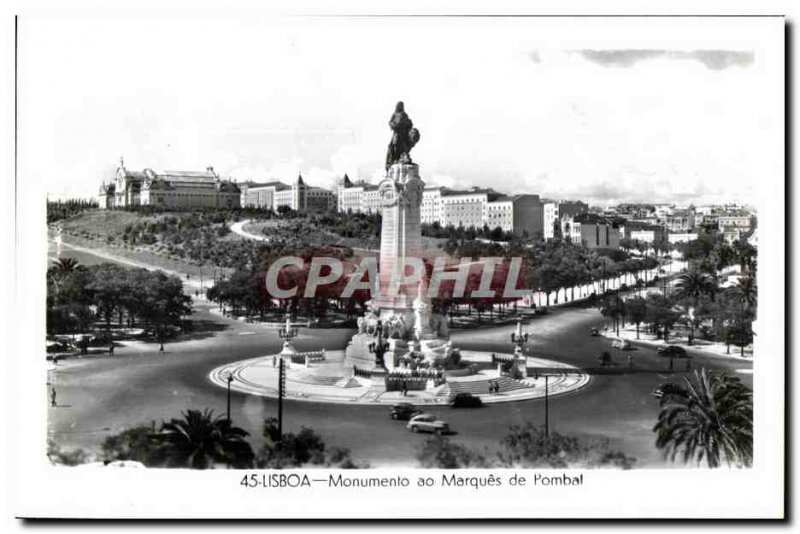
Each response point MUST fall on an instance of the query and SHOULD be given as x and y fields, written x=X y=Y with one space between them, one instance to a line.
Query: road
x=139 y=385
x=238 y=228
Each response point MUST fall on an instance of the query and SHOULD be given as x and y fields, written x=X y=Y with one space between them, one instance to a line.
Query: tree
x=295 y=450
x=200 y=441
x=693 y=285
x=744 y=297
x=64 y=265
x=614 y=307
x=708 y=418
x=163 y=302
x=660 y=314
x=441 y=453
x=530 y=446
x=137 y=443
x=696 y=312
x=636 y=310
x=746 y=254
x=107 y=289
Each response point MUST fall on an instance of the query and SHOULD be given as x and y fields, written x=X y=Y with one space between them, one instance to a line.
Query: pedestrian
x=497 y=388
x=405 y=388
x=161 y=348
x=491 y=387
x=275 y=361
x=111 y=349
x=53 y=397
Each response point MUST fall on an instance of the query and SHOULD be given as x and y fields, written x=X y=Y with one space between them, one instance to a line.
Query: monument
x=401 y=311
x=401 y=345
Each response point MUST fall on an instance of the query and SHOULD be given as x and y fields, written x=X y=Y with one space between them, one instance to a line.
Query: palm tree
x=746 y=294
x=746 y=254
x=709 y=418
x=747 y=291
x=64 y=265
x=200 y=440
x=694 y=285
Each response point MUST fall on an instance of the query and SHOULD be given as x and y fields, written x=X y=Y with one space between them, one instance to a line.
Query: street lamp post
x=281 y=393
x=546 y=405
x=379 y=347
x=229 y=380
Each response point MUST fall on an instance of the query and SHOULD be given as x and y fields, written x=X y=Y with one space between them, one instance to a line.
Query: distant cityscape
x=527 y=215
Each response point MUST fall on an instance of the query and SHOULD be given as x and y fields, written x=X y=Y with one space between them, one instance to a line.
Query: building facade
x=520 y=214
x=299 y=196
x=431 y=209
x=549 y=219
x=590 y=230
x=358 y=197
x=466 y=208
x=170 y=189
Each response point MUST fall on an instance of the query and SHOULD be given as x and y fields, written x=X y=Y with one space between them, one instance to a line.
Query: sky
x=606 y=113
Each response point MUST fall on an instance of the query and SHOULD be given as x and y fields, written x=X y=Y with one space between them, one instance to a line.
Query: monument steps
x=481 y=387
x=306 y=377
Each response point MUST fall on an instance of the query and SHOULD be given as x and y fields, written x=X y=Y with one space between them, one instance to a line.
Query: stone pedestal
x=401 y=239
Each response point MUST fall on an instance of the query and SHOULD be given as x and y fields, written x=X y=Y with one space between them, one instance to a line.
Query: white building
x=359 y=197
x=169 y=189
x=679 y=220
x=431 y=208
x=684 y=237
x=298 y=196
x=466 y=208
x=549 y=218
x=741 y=222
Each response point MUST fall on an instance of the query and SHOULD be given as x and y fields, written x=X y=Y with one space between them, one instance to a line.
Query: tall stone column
x=401 y=200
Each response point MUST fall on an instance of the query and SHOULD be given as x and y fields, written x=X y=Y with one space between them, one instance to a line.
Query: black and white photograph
x=339 y=266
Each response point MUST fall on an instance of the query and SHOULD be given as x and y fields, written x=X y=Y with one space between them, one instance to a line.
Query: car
x=594 y=332
x=605 y=359
x=672 y=351
x=427 y=423
x=466 y=400
x=621 y=344
x=403 y=411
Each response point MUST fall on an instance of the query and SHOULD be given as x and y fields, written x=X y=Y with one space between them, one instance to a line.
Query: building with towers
x=299 y=196
x=168 y=189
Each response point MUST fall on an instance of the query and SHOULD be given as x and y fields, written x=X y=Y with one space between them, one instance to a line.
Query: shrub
x=440 y=452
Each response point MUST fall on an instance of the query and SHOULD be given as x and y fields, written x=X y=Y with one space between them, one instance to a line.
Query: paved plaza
x=326 y=382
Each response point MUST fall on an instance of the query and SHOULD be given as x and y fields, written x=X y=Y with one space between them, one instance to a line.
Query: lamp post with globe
x=287 y=333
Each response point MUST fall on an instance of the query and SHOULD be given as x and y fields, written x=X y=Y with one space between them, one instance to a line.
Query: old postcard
x=296 y=266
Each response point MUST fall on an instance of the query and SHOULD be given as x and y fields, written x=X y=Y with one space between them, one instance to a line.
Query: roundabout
x=328 y=382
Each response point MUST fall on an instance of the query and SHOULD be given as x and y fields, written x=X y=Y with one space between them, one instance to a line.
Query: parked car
x=466 y=400
x=404 y=411
x=621 y=344
x=672 y=351
x=427 y=423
